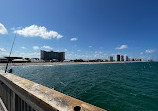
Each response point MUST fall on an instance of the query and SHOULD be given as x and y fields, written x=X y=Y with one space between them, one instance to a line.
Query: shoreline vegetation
x=61 y=63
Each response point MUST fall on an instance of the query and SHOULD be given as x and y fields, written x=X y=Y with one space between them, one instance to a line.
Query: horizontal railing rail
x=19 y=94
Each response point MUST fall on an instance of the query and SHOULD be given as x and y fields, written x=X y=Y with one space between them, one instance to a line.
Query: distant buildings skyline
x=60 y=56
x=119 y=57
x=51 y=56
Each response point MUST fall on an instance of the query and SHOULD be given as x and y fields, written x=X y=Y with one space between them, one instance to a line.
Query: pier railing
x=19 y=94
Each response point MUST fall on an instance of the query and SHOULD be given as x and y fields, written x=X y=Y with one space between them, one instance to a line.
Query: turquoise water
x=115 y=87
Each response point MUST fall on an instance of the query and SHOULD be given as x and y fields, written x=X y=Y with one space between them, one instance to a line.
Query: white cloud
x=47 y=47
x=65 y=50
x=98 y=52
x=23 y=47
x=3 y=54
x=122 y=47
x=35 y=47
x=3 y=30
x=73 y=39
x=38 y=31
x=90 y=46
x=149 y=51
x=141 y=53
x=86 y=56
x=13 y=28
x=2 y=50
x=30 y=55
x=21 y=54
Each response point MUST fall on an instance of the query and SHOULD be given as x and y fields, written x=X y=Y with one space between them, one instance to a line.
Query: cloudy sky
x=87 y=29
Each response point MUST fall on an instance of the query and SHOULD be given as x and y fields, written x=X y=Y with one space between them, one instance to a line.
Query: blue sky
x=87 y=29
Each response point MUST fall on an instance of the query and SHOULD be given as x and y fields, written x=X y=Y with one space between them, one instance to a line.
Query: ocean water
x=112 y=86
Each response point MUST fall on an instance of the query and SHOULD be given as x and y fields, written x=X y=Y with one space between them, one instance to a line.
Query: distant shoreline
x=61 y=63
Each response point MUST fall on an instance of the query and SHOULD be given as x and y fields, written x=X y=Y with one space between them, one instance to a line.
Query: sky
x=84 y=29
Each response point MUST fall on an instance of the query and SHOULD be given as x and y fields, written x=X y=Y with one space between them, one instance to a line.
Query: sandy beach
x=61 y=63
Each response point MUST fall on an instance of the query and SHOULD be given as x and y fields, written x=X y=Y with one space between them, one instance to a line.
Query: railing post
x=12 y=101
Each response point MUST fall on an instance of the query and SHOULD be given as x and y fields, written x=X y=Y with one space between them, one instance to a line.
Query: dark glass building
x=51 y=55
x=117 y=57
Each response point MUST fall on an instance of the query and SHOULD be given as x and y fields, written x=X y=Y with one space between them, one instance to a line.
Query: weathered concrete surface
x=38 y=96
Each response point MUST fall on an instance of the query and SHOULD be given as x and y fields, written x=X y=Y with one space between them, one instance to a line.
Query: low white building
x=3 y=60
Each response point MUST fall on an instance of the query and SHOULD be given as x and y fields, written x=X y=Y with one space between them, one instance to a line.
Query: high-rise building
x=110 y=58
x=125 y=58
x=121 y=58
x=117 y=57
x=51 y=55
